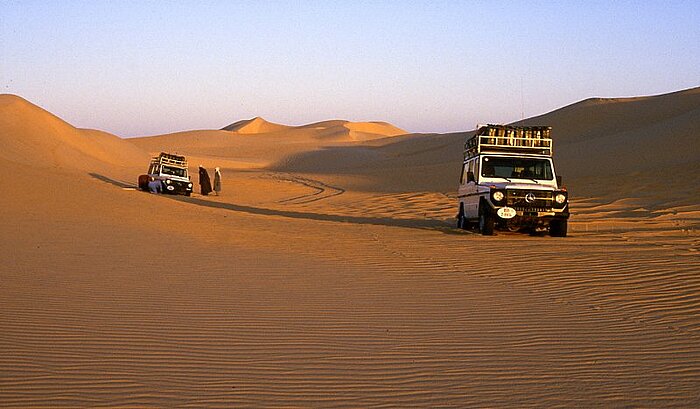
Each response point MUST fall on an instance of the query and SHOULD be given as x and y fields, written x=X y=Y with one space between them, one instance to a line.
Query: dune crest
x=255 y=125
x=360 y=131
x=377 y=128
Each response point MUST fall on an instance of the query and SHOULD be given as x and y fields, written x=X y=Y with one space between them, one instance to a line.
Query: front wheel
x=462 y=222
x=486 y=223
x=558 y=228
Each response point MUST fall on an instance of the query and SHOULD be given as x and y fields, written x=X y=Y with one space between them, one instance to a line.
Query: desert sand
x=329 y=272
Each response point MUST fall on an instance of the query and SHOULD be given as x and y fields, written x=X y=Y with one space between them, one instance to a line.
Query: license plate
x=506 y=212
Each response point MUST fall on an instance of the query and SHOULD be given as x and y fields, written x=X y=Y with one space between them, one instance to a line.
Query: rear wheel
x=143 y=182
x=486 y=222
x=558 y=228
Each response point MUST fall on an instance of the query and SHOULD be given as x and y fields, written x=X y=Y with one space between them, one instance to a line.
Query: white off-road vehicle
x=171 y=172
x=508 y=182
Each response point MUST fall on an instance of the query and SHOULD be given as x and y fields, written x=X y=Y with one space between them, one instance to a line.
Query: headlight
x=560 y=198
x=189 y=185
x=497 y=196
x=167 y=181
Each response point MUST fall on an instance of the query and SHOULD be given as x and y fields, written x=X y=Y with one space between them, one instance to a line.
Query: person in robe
x=217 y=181
x=204 y=181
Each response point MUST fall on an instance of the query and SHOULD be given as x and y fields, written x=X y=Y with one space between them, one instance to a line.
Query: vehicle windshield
x=169 y=170
x=516 y=168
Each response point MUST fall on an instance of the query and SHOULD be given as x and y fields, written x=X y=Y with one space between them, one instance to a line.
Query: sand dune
x=328 y=274
x=258 y=143
x=31 y=135
x=654 y=139
x=645 y=146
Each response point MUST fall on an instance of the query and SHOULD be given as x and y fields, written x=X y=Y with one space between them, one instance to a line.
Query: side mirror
x=470 y=177
x=558 y=181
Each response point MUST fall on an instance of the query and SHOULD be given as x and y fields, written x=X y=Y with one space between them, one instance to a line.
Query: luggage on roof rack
x=506 y=138
x=170 y=159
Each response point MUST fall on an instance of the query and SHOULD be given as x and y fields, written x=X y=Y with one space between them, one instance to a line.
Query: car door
x=469 y=192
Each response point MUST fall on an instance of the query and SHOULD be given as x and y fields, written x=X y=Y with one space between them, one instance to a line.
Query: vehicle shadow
x=430 y=224
x=423 y=224
x=111 y=181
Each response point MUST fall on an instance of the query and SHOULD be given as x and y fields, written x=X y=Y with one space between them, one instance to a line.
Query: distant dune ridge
x=337 y=129
x=258 y=143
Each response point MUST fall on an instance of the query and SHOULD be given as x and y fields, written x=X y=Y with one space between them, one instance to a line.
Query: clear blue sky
x=143 y=68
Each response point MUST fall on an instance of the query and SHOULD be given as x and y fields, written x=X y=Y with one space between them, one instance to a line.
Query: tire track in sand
x=321 y=190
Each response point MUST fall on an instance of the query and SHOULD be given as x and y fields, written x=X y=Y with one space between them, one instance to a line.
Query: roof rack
x=170 y=159
x=512 y=139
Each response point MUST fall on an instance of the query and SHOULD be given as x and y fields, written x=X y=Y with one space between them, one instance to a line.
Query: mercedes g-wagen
x=171 y=172
x=508 y=182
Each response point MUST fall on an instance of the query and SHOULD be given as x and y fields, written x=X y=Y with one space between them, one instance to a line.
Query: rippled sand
x=237 y=301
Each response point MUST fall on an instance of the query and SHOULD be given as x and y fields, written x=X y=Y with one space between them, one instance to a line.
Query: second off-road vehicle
x=171 y=172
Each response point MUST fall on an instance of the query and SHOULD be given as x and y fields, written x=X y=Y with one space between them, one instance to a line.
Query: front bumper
x=176 y=187
x=543 y=213
x=530 y=216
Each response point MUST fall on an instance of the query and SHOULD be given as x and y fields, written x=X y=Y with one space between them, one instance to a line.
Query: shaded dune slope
x=639 y=133
x=652 y=138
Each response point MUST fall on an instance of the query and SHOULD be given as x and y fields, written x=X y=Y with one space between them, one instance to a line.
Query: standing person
x=217 y=181
x=204 y=181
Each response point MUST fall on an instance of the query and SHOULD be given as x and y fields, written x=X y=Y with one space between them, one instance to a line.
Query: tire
x=143 y=182
x=462 y=222
x=486 y=222
x=558 y=228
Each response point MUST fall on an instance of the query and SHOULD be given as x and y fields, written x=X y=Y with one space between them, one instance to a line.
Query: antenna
x=522 y=100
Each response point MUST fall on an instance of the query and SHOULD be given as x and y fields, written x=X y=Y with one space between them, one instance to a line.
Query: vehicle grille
x=517 y=199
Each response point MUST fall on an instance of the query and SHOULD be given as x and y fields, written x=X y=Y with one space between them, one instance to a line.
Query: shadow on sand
x=380 y=221
x=424 y=224
x=111 y=181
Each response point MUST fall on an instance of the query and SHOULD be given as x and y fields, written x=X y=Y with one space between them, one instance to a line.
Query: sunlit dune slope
x=650 y=139
x=355 y=131
x=30 y=135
